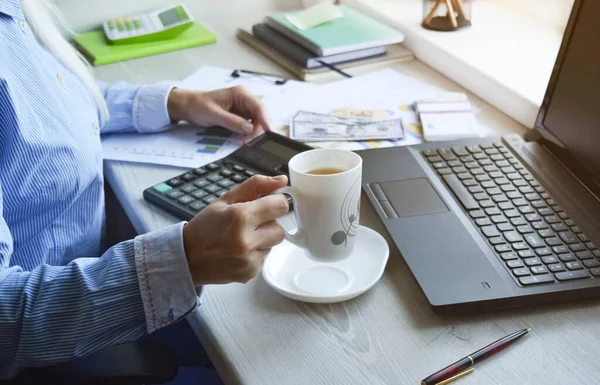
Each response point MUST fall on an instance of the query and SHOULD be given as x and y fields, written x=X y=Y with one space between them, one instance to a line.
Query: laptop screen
x=570 y=113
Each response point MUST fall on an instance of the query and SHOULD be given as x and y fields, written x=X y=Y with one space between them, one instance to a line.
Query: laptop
x=500 y=222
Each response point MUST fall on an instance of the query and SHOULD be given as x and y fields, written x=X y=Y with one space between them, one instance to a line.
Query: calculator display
x=278 y=149
x=173 y=16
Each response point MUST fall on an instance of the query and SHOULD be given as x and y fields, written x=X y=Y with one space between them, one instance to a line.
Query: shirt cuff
x=150 y=113
x=168 y=292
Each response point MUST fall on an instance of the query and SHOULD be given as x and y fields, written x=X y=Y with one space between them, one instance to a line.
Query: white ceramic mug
x=327 y=207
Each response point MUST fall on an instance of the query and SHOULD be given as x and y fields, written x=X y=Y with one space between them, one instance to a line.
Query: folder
x=353 y=32
x=98 y=50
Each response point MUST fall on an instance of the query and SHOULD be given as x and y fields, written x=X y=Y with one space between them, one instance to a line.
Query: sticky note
x=315 y=15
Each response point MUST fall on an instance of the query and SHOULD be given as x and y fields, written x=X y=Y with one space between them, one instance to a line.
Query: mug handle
x=298 y=238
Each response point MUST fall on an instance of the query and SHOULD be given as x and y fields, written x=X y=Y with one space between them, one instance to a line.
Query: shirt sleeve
x=55 y=313
x=131 y=108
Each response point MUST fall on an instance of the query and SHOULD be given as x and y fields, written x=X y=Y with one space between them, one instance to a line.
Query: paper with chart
x=186 y=146
x=312 y=127
x=189 y=146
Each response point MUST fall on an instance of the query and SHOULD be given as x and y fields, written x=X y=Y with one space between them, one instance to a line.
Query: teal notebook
x=353 y=32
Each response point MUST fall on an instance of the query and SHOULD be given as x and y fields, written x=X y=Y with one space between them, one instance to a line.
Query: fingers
x=253 y=188
x=250 y=107
x=257 y=132
x=269 y=234
x=231 y=121
x=267 y=209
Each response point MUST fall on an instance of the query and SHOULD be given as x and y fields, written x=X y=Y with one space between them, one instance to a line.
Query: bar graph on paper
x=211 y=141
x=184 y=146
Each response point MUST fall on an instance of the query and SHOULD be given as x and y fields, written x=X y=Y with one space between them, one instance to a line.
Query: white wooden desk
x=389 y=335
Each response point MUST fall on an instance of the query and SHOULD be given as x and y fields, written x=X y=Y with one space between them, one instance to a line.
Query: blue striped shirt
x=60 y=296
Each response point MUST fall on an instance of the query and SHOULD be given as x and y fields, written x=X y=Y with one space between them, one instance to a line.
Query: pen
x=463 y=366
x=334 y=68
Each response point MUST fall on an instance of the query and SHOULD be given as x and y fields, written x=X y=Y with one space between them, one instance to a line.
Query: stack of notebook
x=353 y=44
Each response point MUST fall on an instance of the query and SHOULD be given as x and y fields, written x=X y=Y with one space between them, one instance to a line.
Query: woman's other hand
x=233 y=108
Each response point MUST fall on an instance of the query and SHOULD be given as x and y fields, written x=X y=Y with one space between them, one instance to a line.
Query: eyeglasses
x=259 y=76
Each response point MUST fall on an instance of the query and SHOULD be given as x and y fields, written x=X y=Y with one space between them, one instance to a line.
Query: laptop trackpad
x=412 y=197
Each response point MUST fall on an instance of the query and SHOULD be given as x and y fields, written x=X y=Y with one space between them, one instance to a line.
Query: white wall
x=551 y=12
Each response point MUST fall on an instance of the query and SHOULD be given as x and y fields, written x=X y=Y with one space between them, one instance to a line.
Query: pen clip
x=453 y=378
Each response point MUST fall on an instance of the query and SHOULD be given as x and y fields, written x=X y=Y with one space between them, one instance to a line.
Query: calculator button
x=238 y=178
x=237 y=168
x=226 y=173
x=188 y=177
x=200 y=171
x=212 y=167
x=162 y=188
x=209 y=199
x=199 y=194
x=214 y=178
x=175 y=194
x=175 y=182
x=249 y=173
x=220 y=193
x=198 y=205
x=225 y=183
x=201 y=183
x=212 y=188
x=186 y=199
x=189 y=188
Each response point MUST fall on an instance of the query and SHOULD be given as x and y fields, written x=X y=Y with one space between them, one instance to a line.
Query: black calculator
x=187 y=194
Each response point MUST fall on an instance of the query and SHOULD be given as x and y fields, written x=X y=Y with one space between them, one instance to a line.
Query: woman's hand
x=233 y=108
x=228 y=240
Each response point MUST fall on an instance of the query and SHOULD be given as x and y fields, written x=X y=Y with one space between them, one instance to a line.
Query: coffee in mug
x=326 y=190
x=325 y=171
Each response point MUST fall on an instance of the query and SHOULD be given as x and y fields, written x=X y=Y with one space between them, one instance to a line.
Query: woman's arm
x=56 y=313
x=136 y=108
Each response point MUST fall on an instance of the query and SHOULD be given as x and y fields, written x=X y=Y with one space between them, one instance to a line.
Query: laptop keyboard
x=530 y=233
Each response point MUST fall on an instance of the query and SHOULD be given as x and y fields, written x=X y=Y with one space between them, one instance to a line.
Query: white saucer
x=291 y=273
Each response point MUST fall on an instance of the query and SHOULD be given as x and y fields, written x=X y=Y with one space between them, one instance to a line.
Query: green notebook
x=353 y=32
x=99 y=51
